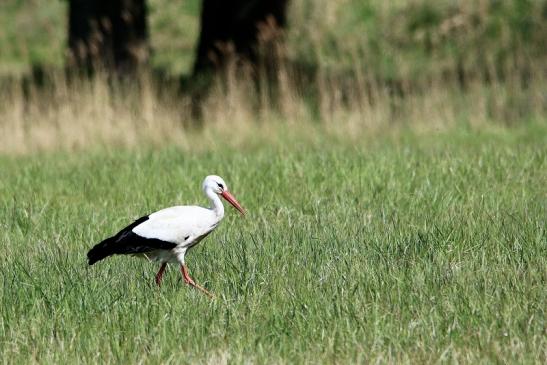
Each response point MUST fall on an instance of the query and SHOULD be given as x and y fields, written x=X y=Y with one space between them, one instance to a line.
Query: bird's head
x=217 y=185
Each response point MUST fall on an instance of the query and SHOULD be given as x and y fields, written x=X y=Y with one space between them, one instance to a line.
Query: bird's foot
x=203 y=290
x=188 y=280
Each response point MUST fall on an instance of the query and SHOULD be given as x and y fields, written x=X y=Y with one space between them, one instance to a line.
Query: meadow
x=400 y=249
x=397 y=202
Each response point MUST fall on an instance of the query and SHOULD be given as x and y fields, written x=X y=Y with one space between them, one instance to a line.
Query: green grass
x=414 y=248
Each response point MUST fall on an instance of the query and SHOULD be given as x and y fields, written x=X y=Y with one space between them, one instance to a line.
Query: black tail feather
x=101 y=250
x=127 y=242
x=109 y=246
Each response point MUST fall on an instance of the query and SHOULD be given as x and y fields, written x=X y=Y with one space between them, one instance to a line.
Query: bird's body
x=166 y=235
x=183 y=225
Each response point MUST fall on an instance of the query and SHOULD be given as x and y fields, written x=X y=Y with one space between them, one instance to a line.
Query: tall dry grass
x=78 y=114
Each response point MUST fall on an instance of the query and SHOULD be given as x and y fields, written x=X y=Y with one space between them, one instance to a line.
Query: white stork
x=166 y=235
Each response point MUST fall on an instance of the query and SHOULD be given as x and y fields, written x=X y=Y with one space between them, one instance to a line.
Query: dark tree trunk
x=108 y=34
x=237 y=28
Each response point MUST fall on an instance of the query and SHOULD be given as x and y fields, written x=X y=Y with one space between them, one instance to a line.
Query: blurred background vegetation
x=369 y=62
x=413 y=38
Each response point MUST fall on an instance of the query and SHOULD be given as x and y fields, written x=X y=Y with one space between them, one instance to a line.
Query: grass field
x=405 y=248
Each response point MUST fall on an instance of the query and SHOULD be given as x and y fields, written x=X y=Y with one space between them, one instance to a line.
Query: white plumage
x=180 y=225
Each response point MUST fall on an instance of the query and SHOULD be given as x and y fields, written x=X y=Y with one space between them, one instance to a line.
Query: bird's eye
x=220 y=186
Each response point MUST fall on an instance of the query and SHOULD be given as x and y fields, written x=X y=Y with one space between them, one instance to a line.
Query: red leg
x=188 y=280
x=159 y=275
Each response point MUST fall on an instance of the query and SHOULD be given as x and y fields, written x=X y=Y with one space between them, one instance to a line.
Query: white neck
x=216 y=203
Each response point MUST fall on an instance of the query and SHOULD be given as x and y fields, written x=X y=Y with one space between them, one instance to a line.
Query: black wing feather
x=127 y=242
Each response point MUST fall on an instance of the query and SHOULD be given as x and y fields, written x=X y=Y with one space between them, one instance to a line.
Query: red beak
x=230 y=198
